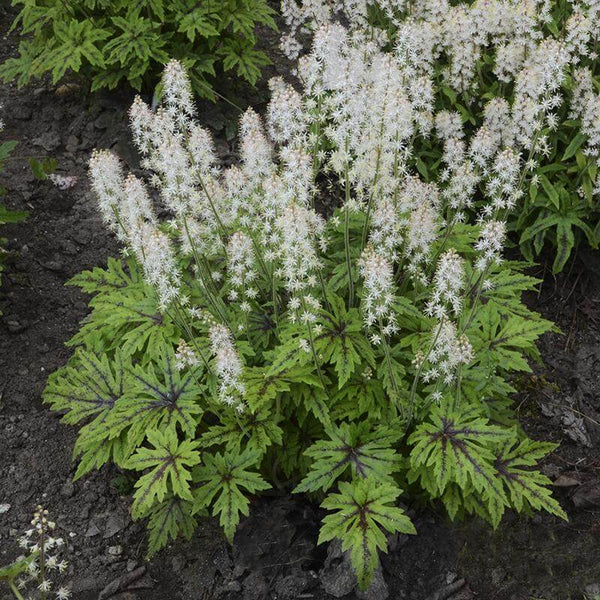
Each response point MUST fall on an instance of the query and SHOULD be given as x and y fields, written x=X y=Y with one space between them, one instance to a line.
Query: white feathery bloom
x=490 y=243
x=299 y=229
x=107 y=178
x=255 y=149
x=460 y=28
x=287 y=119
x=301 y=14
x=297 y=173
x=228 y=364
x=448 y=282
x=201 y=147
x=450 y=350
x=185 y=356
x=154 y=252
x=386 y=228
x=422 y=231
x=579 y=33
x=378 y=277
x=141 y=121
x=461 y=186
x=489 y=137
x=502 y=184
x=536 y=86
x=448 y=125
x=177 y=178
x=136 y=207
x=585 y=105
x=178 y=94
x=241 y=263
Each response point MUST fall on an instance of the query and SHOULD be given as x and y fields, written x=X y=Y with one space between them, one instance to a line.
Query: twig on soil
x=123 y=583
x=447 y=591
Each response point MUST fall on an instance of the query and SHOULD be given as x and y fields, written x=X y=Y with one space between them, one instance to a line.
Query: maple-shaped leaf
x=362 y=511
x=314 y=400
x=167 y=521
x=291 y=458
x=362 y=395
x=89 y=386
x=94 y=448
x=125 y=313
x=455 y=446
x=225 y=478
x=354 y=447
x=507 y=286
x=160 y=396
x=263 y=386
x=255 y=430
x=342 y=341
x=505 y=342
x=526 y=486
x=110 y=279
x=169 y=462
x=88 y=389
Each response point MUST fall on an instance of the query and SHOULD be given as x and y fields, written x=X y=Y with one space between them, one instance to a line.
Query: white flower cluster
x=354 y=122
x=127 y=209
x=450 y=350
x=378 y=275
x=242 y=270
x=302 y=15
x=228 y=365
x=45 y=569
x=185 y=356
x=585 y=105
x=448 y=283
x=299 y=228
x=106 y=176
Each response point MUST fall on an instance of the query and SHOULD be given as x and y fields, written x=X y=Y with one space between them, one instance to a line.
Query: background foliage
x=108 y=42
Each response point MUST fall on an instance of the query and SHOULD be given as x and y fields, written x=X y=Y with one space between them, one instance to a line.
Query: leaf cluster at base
x=339 y=433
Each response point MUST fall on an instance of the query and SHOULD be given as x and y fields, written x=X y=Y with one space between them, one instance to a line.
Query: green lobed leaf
x=225 y=479
x=361 y=512
x=168 y=464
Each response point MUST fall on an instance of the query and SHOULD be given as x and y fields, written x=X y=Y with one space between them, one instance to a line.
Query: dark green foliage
x=109 y=42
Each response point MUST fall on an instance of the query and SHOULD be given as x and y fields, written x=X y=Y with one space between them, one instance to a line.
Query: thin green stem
x=347 y=241
x=388 y=360
x=314 y=354
x=413 y=390
x=201 y=262
x=15 y=590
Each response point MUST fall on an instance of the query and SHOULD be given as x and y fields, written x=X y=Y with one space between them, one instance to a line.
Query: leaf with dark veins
x=223 y=477
x=169 y=463
x=171 y=518
x=351 y=446
x=526 y=486
x=456 y=447
x=89 y=387
x=362 y=512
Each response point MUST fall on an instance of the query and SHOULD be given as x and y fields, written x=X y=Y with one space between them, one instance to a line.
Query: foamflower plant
x=317 y=317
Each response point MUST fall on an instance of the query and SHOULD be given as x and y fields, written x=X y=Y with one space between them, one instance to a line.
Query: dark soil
x=275 y=553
